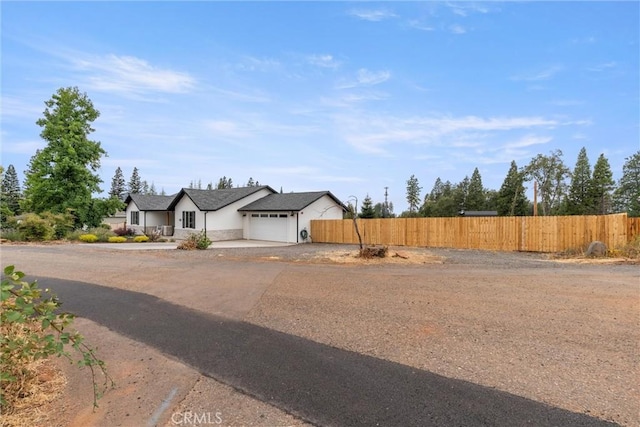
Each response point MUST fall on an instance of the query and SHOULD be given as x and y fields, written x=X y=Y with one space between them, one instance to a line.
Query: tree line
x=582 y=190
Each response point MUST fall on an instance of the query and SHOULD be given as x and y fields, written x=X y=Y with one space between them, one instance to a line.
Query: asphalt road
x=322 y=385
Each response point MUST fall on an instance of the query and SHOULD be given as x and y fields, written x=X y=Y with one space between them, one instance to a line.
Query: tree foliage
x=602 y=185
x=627 y=195
x=118 y=185
x=135 y=184
x=63 y=175
x=550 y=173
x=10 y=195
x=367 y=210
x=579 y=201
x=413 y=194
x=224 y=183
x=511 y=199
x=476 y=197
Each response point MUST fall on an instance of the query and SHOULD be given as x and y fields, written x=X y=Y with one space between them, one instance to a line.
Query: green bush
x=195 y=241
x=105 y=226
x=34 y=228
x=102 y=233
x=32 y=328
x=88 y=238
x=141 y=239
x=62 y=223
x=117 y=239
x=11 y=234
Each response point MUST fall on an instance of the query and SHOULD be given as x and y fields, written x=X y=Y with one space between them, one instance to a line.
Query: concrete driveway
x=173 y=245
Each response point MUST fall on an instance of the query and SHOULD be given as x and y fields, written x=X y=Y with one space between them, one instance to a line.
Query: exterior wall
x=323 y=208
x=224 y=224
x=148 y=220
x=132 y=207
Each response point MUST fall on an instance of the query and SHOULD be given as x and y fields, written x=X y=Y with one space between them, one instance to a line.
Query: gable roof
x=289 y=201
x=213 y=200
x=149 y=202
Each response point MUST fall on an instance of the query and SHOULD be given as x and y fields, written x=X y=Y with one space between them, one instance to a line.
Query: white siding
x=323 y=208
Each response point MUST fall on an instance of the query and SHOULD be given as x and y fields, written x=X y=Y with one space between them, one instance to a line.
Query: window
x=273 y=215
x=282 y=215
x=264 y=216
x=254 y=215
x=135 y=217
x=188 y=219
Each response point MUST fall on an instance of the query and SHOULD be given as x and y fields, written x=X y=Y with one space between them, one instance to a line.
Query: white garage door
x=269 y=226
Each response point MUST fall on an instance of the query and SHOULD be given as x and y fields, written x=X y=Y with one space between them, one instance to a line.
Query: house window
x=135 y=218
x=188 y=219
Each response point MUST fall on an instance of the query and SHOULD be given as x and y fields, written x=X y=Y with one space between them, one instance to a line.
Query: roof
x=478 y=213
x=289 y=201
x=149 y=202
x=212 y=200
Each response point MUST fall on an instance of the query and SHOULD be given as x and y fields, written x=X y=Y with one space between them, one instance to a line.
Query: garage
x=268 y=226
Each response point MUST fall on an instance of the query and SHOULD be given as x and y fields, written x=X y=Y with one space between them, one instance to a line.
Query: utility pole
x=385 y=208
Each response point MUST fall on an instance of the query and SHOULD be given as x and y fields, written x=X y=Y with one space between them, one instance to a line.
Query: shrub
x=88 y=238
x=141 y=239
x=33 y=328
x=105 y=226
x=62 y=223
x=33 y=228
x=11 y=234
x=195 y=241
x=124 y=231
x=117 y=239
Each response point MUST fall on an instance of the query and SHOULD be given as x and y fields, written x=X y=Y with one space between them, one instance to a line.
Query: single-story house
x=146 y=213
x=257 y=213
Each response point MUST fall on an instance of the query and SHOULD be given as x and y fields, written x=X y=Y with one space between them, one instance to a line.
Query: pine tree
x=250 y=183
x=413 y=194
x=476 y=198
x=460 y=194
x=579 y=201
x=118 y=185
x=152 y=189
x=135 y=185
x=627 y=195
x=366 y=210
x=602 y=185
x=10 y=191
x=511 y=200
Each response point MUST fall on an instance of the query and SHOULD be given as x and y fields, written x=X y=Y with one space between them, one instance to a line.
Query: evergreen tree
x=210 y=186
x=627 y=195
x=413 y=194
x=476 y=198
x=162 y=192
x=250 y=183
x=511 y=199
x=10 y=191
x=224 y=183
x=145 y=187
x=63 y=175
x=579 y=201
x=366 y=210
x=152 y=189
x=135 y=185
x=460 y=194
x=602 y=185
x=118 y=185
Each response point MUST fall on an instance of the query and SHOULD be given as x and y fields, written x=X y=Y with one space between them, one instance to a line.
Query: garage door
x=269 y=226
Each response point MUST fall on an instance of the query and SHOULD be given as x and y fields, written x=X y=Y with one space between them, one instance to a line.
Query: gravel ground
x=562 y=333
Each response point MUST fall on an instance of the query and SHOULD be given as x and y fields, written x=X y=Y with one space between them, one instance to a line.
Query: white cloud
x=130 y=75
x=418 y=25
x=370 y=78
x=251 y=63
x=21 y=147
x=372 y=15
x=543 y=74
x=457 y=29
x=604 y=66
x=325 y=61
x=527 y=141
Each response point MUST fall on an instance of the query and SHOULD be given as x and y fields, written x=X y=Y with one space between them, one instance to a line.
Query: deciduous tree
x=550 y=173
x=63 y=175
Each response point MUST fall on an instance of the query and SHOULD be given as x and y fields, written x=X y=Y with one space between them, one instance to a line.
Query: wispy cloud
x=467 y=8
x=604 y=66
x=372 y=15
x=457 y=29
x=527 y=141
x=130 y=75
x=251 y=63
x=325 y=61
x=365 y=77
x=539 y=75
x=22 y=147
x=420 y=25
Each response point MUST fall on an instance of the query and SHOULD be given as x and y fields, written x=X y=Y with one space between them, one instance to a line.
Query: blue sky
x=340 y=96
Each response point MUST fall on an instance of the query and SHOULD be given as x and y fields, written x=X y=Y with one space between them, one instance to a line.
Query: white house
x=286 y=217
x=257 y=213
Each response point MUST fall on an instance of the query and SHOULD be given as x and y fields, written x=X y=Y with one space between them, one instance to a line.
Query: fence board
x=533 y=234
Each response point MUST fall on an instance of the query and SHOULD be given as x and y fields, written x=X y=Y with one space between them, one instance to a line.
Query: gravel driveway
x=561 y=333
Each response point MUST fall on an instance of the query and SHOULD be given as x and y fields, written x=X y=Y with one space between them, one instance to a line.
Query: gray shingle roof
x=288 y=201
x=148 y=202
x=212 y=200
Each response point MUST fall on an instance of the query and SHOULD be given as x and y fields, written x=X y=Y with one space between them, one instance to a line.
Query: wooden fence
x=529 y=233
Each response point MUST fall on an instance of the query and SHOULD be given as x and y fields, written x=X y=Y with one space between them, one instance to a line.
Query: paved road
x=319 y=384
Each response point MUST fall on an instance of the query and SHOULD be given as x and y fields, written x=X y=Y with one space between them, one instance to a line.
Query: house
x=286 y=217
x=146 y=212
x=257 y=213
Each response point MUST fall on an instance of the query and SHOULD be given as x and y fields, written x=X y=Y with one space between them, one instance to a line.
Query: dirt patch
x=394 y=256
